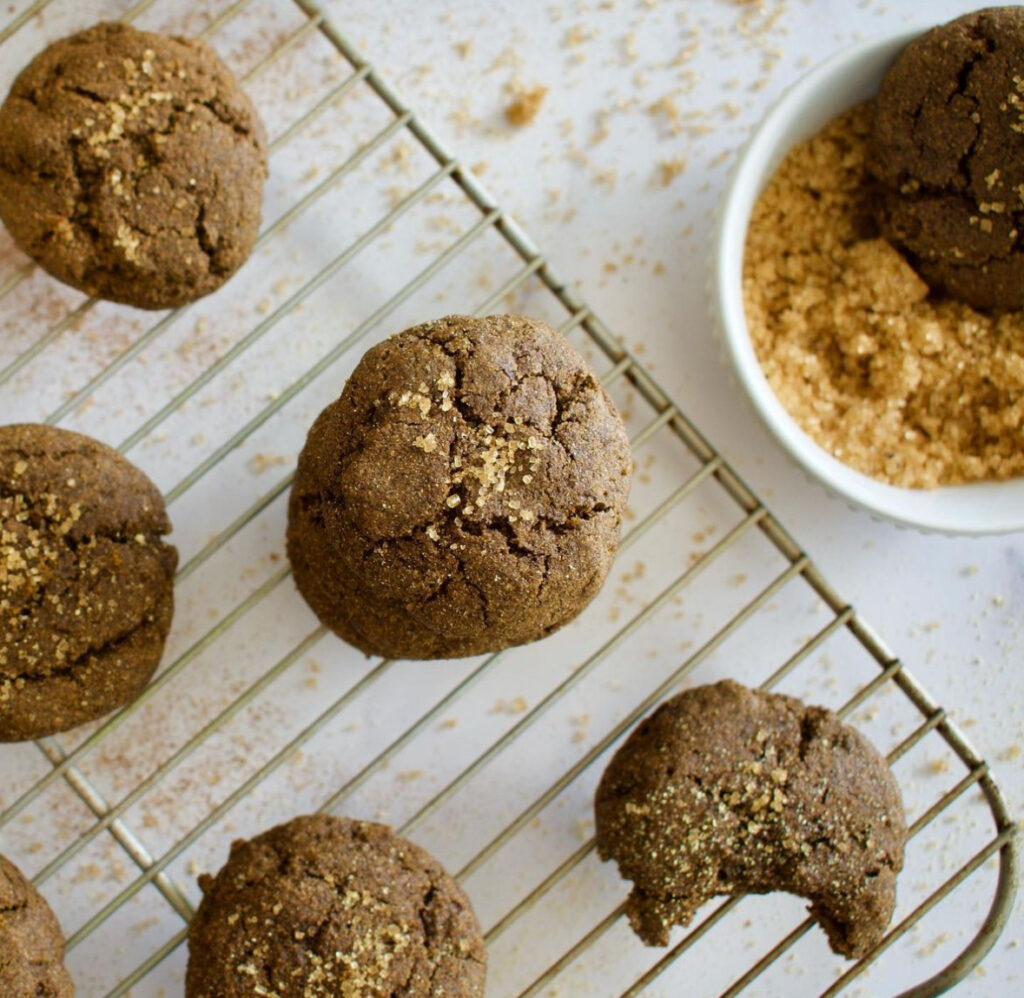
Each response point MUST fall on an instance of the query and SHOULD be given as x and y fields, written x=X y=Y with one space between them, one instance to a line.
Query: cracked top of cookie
x=463 y=494
x=485 y=414
x=132 y=166
x=86 y=579
x=325 y=906
x=728 y=790
x=948 y=149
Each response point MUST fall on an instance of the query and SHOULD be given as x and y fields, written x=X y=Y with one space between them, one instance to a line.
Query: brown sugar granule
x=667 y=106
x=913 y=389
x=526 y=105
x=669 y=169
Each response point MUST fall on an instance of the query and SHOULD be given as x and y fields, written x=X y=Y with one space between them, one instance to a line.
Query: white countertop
x=952 y=608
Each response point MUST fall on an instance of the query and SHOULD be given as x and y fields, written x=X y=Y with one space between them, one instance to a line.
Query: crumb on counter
x=669 y=169
x=526 y=105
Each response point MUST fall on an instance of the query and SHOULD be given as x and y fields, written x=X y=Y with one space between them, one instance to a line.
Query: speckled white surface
x=632 y=85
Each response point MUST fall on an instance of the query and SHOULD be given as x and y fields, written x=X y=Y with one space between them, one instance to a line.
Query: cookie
x=86 y=580
x=727 y=790
x=325 y=906
x=948 y=150
x=132 y=166
x=463 y=495
x=31 y=942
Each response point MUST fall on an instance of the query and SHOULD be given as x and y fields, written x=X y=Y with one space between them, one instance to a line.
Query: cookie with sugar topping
x=132 y=166
x=86 y=580
x=324 y=906
x=725 y=790
x=31 y=941
x=464 y=493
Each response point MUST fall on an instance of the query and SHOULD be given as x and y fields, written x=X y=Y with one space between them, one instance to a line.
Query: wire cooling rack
x=257 y=714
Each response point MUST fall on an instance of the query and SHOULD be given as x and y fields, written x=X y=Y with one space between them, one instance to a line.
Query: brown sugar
x=526 y=105
x=912 y=388
x=669 y=169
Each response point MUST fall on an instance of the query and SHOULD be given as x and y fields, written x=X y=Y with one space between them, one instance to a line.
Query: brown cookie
x=31 y=942
x=326 y=906
x=464 y=494
x=86 y=580
x=727 y=790
x=132 y=166
x=948 y=150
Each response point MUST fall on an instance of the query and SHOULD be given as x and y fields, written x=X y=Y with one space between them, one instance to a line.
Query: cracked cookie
x=132 y=166
x=86 y=580
x=325 y=906
x=31 y=941
x=725 y=790
x=948 y=150
x=463 y=495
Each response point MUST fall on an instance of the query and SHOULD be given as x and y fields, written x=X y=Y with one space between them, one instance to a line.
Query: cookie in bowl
x=896 y=396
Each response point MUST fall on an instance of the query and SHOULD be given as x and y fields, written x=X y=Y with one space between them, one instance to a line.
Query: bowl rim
x=973 y=508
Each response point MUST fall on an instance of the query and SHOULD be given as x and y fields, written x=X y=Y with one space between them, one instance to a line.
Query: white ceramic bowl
x=844 y=80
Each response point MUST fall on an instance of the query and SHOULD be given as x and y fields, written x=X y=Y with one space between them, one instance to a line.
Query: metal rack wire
x=69 y=759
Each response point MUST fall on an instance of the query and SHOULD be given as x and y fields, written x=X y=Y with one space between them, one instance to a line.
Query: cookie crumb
x=669 y=169
x=526 y=106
